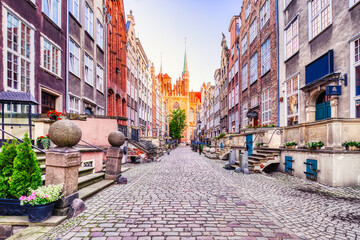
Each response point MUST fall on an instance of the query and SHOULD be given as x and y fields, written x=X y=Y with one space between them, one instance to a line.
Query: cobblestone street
x=187 y=196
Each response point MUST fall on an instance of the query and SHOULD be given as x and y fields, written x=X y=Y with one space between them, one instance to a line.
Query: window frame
x=244 y=44
x=318 y=14
x=27 y=57
x=245 y=119
x=53 y=46
x=353 y=65
x=244 y=74
x=251 y=30
x=264 y=13
x=73 y=109
x=76 y=15
x=89 y=20
x=99 y=34
x=99 y=85
x=253 y=68
x=263 y=102
x=264 y=58
x=51 y=13
x=286 y=42
x=248 y=10
x=72 y=41
x=352 y=3
x=292 y=93
x=87 y=57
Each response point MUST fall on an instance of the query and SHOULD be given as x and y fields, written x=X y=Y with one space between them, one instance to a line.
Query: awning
x=332 y=77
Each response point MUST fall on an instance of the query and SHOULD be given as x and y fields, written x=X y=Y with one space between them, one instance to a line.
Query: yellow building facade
x=178 y=96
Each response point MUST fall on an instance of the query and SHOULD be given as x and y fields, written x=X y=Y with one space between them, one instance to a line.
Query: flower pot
x=291 y=147
x=39 y=213
x=314 y=148
x=39 y=144
x=353 y=148
x=11 y=207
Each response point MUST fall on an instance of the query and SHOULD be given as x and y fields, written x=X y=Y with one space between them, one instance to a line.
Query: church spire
x=185 y=71
x=161 y=65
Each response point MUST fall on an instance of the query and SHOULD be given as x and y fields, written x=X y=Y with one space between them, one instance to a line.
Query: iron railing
x=20 y=140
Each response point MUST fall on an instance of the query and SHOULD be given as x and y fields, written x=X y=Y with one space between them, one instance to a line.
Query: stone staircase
x=223 y=154
x=262 y=159
x=146 y=147
x=89 y=182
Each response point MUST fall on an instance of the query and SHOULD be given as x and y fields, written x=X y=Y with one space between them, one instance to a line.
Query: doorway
x=323 y=107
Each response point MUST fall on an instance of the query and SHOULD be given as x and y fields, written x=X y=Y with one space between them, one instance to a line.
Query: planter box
x=39 y=213
x=11 y=207
x=352 y=148
x=291 y=147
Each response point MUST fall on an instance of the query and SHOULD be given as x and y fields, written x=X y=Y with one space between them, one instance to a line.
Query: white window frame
x=253 y=30
x=53 y=47
x=318 y=14
x=89 y=19
x=353 y=3
x=244 y=77
x=28 y=57
x=254 y=101
x=72 y=109
x=253 y=68
x=88 y=69
x=353 y=65
x=74 y=8
x=287 y=3
x=265 y=57
x=50 y=14
x=99 y=78
x=292 y=38
x=248 y=10
x=264 y=14
x=244 y=44
x=76 y=56
x=245 y=120
x=292 y=93
x=264 y=101
x=100 y=111
x=99 y=34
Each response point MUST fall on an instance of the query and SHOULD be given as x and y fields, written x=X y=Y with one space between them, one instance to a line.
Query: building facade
x=116 y=59
x=258 y=58
x=34 y=52
x=87 y=57
x=224 y=84
x=178 y=96
x=217 y=112
x=319 y=47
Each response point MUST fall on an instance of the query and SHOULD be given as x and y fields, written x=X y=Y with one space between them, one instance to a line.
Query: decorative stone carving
x=212 y=150
x=116 y=139
x=65 y=133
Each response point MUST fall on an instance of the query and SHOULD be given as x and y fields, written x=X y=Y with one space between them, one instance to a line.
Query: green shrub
x=7 y=156
x=290 y=144
x=350 y=143
x=259 y=144
x=314 y=144
x=26 y=173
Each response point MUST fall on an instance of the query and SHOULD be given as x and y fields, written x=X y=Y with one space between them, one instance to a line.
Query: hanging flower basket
x=39 y=213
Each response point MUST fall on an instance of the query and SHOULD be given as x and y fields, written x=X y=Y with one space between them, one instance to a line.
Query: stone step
x=24 y=221
x=259 y=155
x=41 y=159
x=90 y=190
x=87 y=180
x=268 y=152
x=255 y=158
x=82 y=171
x=30 y=233
x=254 y=162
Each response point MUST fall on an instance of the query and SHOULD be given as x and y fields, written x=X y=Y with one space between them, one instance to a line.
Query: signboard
x=319 y=68
x=252 y=115
x=333 y=90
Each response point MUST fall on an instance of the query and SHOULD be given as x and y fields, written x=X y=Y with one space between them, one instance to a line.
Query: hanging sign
x=333 y=90
x=252 y=114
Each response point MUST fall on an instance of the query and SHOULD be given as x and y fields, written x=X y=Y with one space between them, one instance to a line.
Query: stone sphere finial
x=116 y=139
x=65 y=133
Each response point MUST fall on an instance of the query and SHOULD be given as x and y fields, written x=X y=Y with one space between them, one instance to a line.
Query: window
x=264 y=14
x=88 y=69
x=99 y=34
x=89 y=22
x=254 y=101
x=292 y=38
x=74 y=8
x=50 y=55
x=248 y=10
x=320 y=16
x=244 y=44
x=74 y=106
x=74 y=51
x=19 y=55
x=265 y=57
x=236 y=67
x=253 y=68
x=245 y=120
x=253 y=30
x=355 y=72
x=292 y=96
x=99 y=78
x=52 y=8
x=236 y=94
x=286 y=3
x=100 y=111
x=353 y=2
x=266 y=107
x=244 y=77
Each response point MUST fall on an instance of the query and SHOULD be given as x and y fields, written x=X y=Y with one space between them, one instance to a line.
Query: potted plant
x=260 y=144
x=40 y=203
x=9 y=205
x=290 y=145
x=314 y=145
x=54 y=115
x=351 y=145
x=43 y=142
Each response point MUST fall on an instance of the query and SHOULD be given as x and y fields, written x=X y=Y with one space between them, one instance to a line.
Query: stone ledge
x=24 y=221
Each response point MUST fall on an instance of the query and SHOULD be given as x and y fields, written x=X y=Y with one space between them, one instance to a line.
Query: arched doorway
x=323 y=108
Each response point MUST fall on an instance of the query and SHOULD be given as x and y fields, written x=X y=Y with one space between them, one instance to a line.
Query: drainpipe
x=67 y=98
x=277 y=64
x=106 y=66
x=238 y=49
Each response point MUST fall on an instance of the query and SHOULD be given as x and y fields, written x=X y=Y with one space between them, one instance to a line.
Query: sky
x=163 y=25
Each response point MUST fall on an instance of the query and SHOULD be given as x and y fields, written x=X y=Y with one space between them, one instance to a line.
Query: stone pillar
x=310 y=113
x=114 y=155
x=245 y=162
x=334 y=106
x=63 y=161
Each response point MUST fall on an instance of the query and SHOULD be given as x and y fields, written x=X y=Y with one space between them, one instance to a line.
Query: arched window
x=191 y=115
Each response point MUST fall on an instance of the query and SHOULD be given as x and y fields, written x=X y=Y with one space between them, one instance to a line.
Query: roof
x=166 y=75
x=19 y=97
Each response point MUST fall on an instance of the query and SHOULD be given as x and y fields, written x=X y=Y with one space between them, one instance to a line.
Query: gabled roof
x=166 y=75
x=17 y=97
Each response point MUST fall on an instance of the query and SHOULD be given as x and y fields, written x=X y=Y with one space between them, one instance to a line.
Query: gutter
x=277 y=64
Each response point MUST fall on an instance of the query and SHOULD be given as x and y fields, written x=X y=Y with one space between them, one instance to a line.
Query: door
x=47 y=102
x=249 y=144
x=323 y=108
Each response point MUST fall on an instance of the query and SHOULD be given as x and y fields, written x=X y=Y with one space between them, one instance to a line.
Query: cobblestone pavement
x=187 y=196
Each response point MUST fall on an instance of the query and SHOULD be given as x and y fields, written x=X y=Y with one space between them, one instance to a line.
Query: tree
x=26 y=172
x=7 y=156
x=177 y=123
